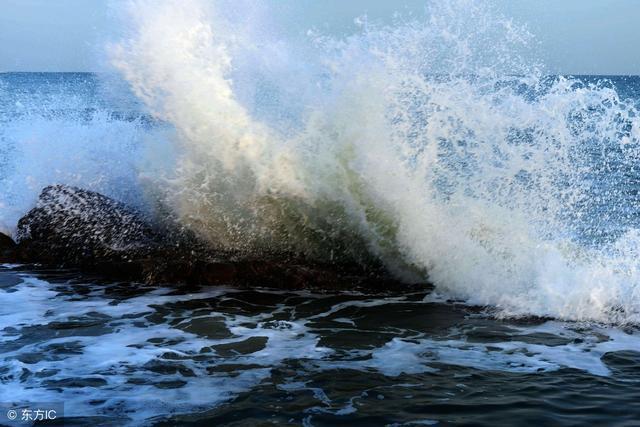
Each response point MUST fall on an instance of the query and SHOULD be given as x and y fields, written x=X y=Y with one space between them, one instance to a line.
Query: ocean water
x=438 y=146
x=126 y=354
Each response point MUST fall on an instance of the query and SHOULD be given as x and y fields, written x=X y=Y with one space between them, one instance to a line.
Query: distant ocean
x=512 y=191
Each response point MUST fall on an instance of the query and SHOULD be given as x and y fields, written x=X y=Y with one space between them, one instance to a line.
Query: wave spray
x=435 y=145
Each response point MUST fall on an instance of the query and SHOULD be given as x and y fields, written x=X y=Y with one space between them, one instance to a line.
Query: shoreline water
x=137 y=355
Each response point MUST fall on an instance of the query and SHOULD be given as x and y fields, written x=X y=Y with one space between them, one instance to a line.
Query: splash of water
x=53 y=129
x=433 y=145
x=436 y=145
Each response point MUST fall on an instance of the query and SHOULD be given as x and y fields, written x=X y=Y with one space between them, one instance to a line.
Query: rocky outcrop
x=71 y=227
x=7 y=249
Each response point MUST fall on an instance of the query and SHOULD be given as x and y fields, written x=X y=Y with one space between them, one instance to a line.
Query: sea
x=506 y=195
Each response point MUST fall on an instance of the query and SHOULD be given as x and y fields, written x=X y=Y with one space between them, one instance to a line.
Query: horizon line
x=115 y=72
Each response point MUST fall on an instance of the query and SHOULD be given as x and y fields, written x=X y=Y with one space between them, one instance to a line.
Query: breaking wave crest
x=436 y=145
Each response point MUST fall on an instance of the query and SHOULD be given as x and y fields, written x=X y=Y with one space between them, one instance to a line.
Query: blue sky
x=576 y=36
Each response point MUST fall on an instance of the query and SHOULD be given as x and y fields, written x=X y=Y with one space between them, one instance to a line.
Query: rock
x=7 y=249
x=71 y=227
x=74 y=227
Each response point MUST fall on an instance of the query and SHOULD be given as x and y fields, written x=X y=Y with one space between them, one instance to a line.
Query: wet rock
x=75 y=227
x=7 y=249
x=71 y=227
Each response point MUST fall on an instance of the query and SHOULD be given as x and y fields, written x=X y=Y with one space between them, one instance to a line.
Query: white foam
x=125 y=335
x=121 y=352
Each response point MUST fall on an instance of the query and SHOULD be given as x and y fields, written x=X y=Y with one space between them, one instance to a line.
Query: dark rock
x=7 y=249
x=75 y=227
x=71 y=227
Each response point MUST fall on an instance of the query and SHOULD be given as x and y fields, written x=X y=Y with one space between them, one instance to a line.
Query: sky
x=575 y=36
